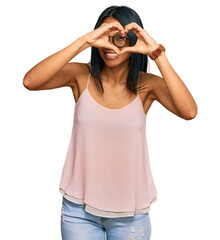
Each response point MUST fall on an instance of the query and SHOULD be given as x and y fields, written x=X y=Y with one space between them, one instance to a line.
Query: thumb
x=129 y=49
x=114 y=48
x=124 y=50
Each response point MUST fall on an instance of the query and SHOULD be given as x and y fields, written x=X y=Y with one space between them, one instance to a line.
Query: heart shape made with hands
x=145 y=44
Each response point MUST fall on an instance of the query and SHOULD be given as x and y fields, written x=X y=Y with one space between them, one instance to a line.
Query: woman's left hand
x=145 y=43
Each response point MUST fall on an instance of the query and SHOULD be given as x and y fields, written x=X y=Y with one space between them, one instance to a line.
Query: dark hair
x=138 y=62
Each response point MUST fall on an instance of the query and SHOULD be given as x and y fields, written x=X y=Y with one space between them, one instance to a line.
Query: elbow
x=27 y=84
x=190 y=117
x=192 y=114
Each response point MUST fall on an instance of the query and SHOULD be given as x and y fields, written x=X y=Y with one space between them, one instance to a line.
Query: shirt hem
x=102 y=213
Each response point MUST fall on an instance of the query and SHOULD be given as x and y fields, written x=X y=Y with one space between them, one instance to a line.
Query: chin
x=112 y=63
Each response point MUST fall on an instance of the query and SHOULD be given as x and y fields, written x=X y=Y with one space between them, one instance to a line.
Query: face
x=109 y=57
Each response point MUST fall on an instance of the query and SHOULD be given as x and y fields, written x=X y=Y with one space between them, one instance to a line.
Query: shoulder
x=79 y=71
x=148 y=80
x=148 y=77
x=79 y=68
x=152 y=82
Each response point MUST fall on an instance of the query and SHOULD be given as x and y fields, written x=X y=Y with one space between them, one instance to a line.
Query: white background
x=36 y=125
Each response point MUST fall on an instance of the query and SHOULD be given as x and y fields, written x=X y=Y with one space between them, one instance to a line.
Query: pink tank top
x=107 y=166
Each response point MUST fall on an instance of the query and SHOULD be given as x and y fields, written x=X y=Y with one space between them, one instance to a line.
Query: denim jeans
x=77 y=224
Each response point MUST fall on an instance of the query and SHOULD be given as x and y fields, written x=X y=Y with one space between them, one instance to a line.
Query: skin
x=114 y=76
x=169 y=89
x=115 y=71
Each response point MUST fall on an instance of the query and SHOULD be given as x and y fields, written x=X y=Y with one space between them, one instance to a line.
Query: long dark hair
x=138 y=62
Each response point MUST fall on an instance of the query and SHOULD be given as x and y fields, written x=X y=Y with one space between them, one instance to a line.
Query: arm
x=46 y=74
x=171 y=92
x=55 y=71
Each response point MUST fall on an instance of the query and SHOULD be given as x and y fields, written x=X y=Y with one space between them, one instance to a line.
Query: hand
x=99 y=37
x=145 y=43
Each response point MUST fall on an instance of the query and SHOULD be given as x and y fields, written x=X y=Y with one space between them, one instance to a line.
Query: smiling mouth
x=111 y=55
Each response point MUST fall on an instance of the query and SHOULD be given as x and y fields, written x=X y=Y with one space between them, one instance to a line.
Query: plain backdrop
x=36 y=126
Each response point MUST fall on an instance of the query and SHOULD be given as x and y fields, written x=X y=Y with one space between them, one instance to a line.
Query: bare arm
x=55 y=71
x=171 y=92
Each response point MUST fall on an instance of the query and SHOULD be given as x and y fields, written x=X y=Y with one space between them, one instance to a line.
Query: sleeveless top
x=107 y=165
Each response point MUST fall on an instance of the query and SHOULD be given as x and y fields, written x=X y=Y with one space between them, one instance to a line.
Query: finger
x=124 y=50
x=138 y=30
x=134 y=31
x=114 y=26
x=128 y=49
x=133 y=26
x=114 y=32
x=114 y=48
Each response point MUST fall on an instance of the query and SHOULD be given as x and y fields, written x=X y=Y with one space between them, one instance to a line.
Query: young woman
x=106 y=182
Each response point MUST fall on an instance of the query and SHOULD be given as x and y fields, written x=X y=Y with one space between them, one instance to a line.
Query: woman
x=106 y=183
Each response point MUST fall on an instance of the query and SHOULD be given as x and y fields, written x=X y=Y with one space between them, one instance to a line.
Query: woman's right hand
x=99 y=37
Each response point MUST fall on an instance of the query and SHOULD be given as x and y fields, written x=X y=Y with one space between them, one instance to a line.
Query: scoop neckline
x=110 y=109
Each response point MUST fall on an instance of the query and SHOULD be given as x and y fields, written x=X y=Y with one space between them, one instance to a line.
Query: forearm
x=181 y=96
x=48 y=67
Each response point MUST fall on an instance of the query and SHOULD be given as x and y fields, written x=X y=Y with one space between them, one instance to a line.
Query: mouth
x=111 y=55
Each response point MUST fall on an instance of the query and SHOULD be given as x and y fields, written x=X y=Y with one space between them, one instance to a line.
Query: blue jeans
x=77 y=224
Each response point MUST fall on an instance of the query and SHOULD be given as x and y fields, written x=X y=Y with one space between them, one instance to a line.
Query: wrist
x=153 y=48
x=156 y=51
x=83 y=41
x=160 y=58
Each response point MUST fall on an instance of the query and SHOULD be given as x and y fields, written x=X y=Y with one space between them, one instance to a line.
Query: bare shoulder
x=147 y=85
x=80 y=70
x=146 y=92
x=152 y=82
x=149 y=78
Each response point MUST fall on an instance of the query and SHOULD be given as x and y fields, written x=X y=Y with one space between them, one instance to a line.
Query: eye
x=120 y=41
x=119 y=36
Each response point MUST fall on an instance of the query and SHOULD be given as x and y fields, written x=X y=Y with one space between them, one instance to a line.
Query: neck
x=116 y=75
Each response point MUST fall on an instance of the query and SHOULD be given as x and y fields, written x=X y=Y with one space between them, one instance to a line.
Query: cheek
x=101 y=53
x=126 y=55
